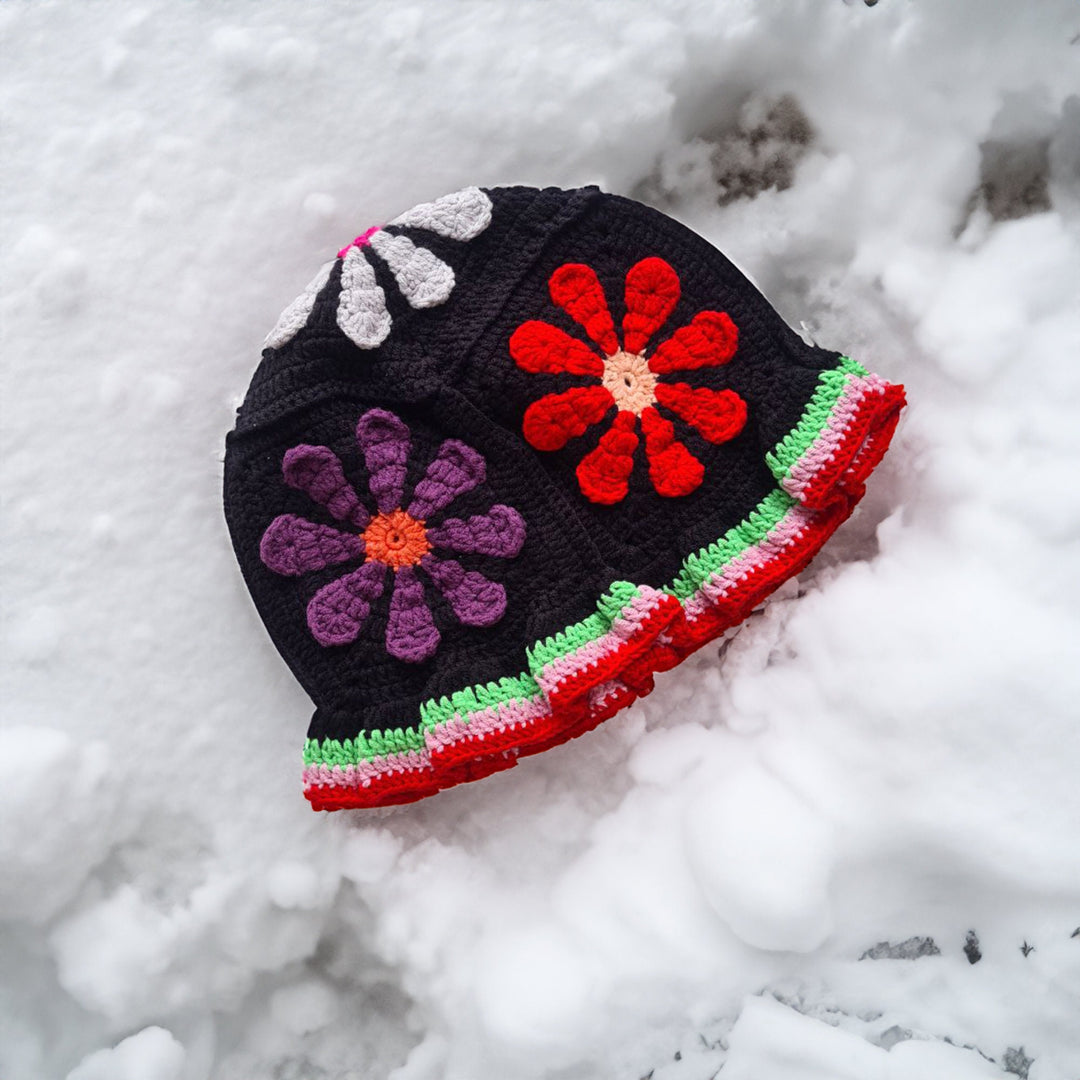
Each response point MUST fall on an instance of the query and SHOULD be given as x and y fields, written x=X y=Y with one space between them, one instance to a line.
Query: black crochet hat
x=511 y=454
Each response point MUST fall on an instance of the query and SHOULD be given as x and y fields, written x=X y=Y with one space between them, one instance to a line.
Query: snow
x=152 y=1054
x=762 y=859
x=887 y=752
x=773 y=1040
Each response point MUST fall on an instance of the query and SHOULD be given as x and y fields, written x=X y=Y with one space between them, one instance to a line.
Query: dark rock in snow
x=911 y=949
x=971 y=947
x=891 y=1036
x=1017 y=1062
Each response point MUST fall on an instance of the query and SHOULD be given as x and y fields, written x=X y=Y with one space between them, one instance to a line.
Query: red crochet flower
x=628 y=380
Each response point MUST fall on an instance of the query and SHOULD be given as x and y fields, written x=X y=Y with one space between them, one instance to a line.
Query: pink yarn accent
x=524 y=714
x=497 y=718
x=507 y=714
x=600 y=695
x=734 y=575
x=821 y=450
x=623 y=628
x=362 y=774
x=361 y=241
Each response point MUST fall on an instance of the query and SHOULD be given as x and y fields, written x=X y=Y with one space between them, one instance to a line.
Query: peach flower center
x=630 y=382
x=397 y=539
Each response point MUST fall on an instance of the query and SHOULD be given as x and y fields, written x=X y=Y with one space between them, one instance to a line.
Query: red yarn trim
x=589 y=717
x=664 y=639
x=863 y=446
x=392 y=790
x=616 y=662
x=571 y=712
x=396 y=789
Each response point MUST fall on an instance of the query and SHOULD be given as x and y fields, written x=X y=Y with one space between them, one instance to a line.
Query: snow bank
x=889 y=751
x=152 y=1054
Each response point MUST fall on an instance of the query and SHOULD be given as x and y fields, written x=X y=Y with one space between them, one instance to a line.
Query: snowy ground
x=891 y=755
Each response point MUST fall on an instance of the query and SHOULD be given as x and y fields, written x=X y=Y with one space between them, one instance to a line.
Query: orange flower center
x=397 y=539
x=631 y=383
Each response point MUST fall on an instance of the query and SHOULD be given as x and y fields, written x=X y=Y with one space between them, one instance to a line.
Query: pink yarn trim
x=823 y=449
x=362 y=774
x=506 y=716
x=601 y=695
x=623 y=629
x=578 y=691
x=733 y=577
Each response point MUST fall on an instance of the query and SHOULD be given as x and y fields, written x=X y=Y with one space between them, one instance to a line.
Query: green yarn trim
x=362 y=747
x=831 y=385
x=520 y=688
x=696 y=569
x=608 y=607
x=752 y=530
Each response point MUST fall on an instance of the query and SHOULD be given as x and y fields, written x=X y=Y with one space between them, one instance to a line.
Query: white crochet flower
x=423 y=278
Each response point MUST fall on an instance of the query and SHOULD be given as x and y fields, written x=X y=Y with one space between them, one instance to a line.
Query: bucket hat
x=511 y=454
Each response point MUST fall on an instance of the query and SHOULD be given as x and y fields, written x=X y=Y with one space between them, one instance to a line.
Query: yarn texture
x=629 y=382
x=511 y=454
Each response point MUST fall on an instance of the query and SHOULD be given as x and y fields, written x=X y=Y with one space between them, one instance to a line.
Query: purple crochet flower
x=393 y=540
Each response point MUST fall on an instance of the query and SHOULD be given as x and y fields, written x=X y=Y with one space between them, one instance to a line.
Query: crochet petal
x=604 y=474
x=464 y=215
x=384 y=439
x=541 y=347
x=411 y=634
x=476 y=600
x=293 y=545
x=338 y=611
x=424 y=279
x=499 y=532
x=554 y=420
x=361 y=311
x=718 y=414
x=317 y=472
x=293 y=318
x=652 y=291
x=577 y=290
x=672 y=468
x=710 y=340
x=454 y=470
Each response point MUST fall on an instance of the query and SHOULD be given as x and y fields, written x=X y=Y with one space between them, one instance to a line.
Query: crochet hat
x=511 y=454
